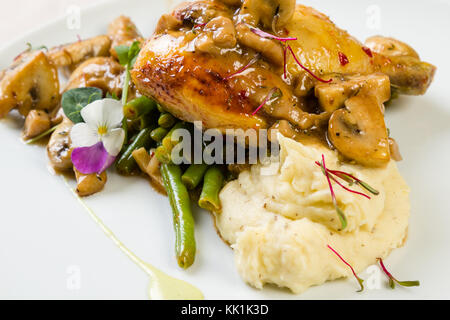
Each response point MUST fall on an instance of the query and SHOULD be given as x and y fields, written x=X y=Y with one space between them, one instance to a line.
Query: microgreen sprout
x=248 y=65
x=339 y=212
x=127 y=57
x=272 y=94
x=393 y=281
x=305 y=68
x=360 y=281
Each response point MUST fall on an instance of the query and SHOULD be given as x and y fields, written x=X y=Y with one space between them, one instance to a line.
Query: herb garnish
x=305 y=68
x=42 y=135
x=360 y=281
x=73 y=101
x=350 y=180
x=252 y=62
x=30 y=49
x=267 y=35
x=273 y=93
x=340 y=213
x=127 y=57
x=393 y=281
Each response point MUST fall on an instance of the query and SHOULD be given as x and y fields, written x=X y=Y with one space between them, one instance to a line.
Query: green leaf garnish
x=342 y=217
x=73 y=101
x=31 y=48
x=393 y=281
x=408 y=283
x=339 y=212
x=42 y=135
x=127 y=57
x=128 y=54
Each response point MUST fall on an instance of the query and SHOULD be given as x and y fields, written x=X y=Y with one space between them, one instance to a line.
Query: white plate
x=49 y=244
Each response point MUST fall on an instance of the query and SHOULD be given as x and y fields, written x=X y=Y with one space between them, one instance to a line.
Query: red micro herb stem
x=285 y=62
x=306 y=69
x=393 y=280
x=329 y=181
x=200 y=25
x=252 y=62
x=342 y=186
x=267 y=35
x=360 y=281
x=265 y=100
x=339 y=212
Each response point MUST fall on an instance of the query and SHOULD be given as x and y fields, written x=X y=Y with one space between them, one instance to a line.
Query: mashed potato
x=280 y=223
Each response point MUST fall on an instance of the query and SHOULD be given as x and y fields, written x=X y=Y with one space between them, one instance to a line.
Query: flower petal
x=106 y=112
x=113 y=141
x=83 y=136
x=94 y=159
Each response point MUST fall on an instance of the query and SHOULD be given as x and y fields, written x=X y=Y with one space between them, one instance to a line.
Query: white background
x=46 y=237
x=20 y=16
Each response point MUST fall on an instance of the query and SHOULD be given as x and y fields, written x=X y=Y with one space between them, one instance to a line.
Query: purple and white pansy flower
x=98 y=140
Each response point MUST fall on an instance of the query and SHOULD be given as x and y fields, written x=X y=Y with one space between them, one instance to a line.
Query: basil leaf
x=127 y=54
x=133 y=52
x=73 y=101
x=122 y=54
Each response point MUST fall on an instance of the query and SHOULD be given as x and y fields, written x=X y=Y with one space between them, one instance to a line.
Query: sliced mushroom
x=166 y=23
x=270 y=49
x=274 y=14
x=30 y=83
x=234 y=3
x=123 y=31
x=89 y=184
x=77 y=52
x=36 y=122
x=359 y=132
x=59 y=148
x=103 y=73
x=149 y=164
x=408 y=75
x=332 y=96
x=200 y=12
x=395 y=150
x=390 y=47
x=217 y=34
x=223 y=32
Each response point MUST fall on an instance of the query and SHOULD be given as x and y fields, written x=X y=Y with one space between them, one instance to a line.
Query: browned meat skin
x=186 y=67
x=192 y=86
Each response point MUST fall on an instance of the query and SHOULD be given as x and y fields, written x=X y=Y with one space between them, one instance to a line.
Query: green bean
x=194 y=175
x=159 y=134
x=212 y=184
x=168 y=142
x=138 y=107
x=160 y=108
x=146 y=121
x=183 y=220
x=126 y=164
x=166 y=120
